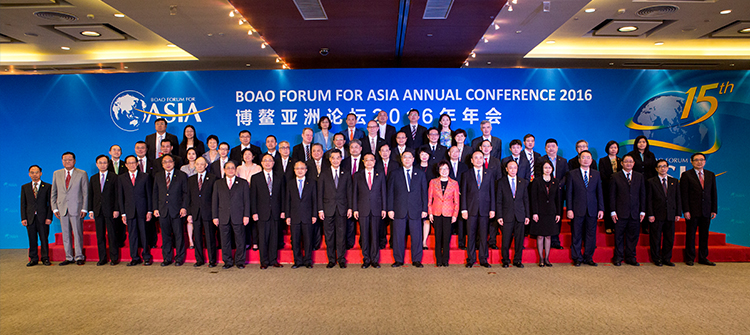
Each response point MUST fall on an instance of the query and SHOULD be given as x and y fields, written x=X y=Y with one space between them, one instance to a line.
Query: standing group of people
x=209 y=196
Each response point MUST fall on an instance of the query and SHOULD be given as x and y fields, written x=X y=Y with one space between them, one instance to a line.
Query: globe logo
x=123 y=110
x=660 y=120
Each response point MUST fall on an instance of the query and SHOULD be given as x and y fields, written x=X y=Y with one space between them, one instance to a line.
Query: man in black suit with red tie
x=300 y=209
x=334 y=207
x=386 y=164
x=699 y=203
x=36 y=214
x=458 y=167
x=301 y=152
x=585 y=206
x=371 y=143
x=230 y=207
x=134 y=196
x=415 y=132
x=171 y=201
x=236 y=153
x=153 y=141
x=512 y=212
x=104 y=209
x=407 y=207
x=627 y=199
x=200 y=189
x=267 y=193
x=117 y=166
x=663 y=207
x=369 y=208
x=477 y=207
x=490 y=162
x=353 y=163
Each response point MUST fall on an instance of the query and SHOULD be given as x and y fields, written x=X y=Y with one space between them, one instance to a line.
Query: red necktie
x=132 y=178
x=354 y=166
x=369 y=180
x=200 y=182
x=486 y=163
x=700 y=177
x=385 y=167
x=169 y=180
x=351 y=134
x=67 y=180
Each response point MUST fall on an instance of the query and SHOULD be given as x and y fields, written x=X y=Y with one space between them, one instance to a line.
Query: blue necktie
x=300 y=188
x=479 y=179
x=513 y=186
x=408 y=180
x=586 y=179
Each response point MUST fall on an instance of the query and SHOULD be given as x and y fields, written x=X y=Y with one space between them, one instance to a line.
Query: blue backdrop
x=681 y=112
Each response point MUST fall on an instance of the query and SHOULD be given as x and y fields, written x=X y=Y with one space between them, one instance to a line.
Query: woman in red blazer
x=443 y=204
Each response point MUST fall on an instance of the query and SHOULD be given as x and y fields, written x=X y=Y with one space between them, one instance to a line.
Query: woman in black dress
x=609 y=165
x=544 y=202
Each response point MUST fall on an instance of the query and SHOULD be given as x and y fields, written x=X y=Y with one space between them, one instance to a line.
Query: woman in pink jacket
x=443 y=204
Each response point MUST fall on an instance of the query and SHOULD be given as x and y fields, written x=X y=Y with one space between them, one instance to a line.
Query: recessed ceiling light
x=65 y=48
x=231 y=14
x=466 y=63
x=486 y=40
x=90 y=33
x=744 y=31
x=497 y=26
x=263 y=45
x=31 y=34
x=518 y=31
x=725 y=12
x=627 y=29
x=241 y=21
x=250 y=32
x=119 y=15
x=429 y=35
x=659 y=43
x=473 y=55
x=589 y=10
x=551 y=42
x=171 y=45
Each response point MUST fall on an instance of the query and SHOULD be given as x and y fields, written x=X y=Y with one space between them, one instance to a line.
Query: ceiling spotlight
x=231 y=14
x=278 y=60
x=119 y=15
x=659 y=43
x=466 y=63
x=486 y=40
x=285 y=66
x=518 y=31
x=744 y=31
x=263 y=45
x=627 y=29
x=589 y=10
x=90 y=33
x=725 y=12
x=473 y=55
x=497 y=26
x=551 y=42
x=65 y=48
x=510 y=8
x=241 y=21
x=249 y=31
x=171 y=45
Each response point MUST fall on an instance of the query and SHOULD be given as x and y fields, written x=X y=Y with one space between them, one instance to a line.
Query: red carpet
x=719 y=250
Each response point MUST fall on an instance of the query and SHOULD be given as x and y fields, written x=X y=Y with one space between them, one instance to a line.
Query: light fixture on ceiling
x=589 y=10
x=466 y=63
x=241 y=21
x=171 y=46
x=65 y=48
x=551 y=42
x=510 y=8
x=497 y=26
x=486 y=40
x=278 y=60
x=473 y=54
x=285 y=67
x=659 y=43
x=119 y=15
x=744 y=31
x=725 y=12
x=249 y=31
x=90 y=33
x=627 y=29
x=231 y=14
x=263 y=45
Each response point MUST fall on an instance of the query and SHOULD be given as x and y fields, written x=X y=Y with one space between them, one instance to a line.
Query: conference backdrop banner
x=681 y=112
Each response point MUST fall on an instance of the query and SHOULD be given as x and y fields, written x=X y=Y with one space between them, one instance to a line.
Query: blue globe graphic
x=123 y=110
x=665 y=110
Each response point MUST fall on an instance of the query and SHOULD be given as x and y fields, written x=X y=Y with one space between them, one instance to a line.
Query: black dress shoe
x=462 y=247
x=66 y=262
x=518 y=265
x=240 y=266
x=113 y=263
x=469 y=265
x=295 y=266
x=440 y=265
x=46 y=262
x=547 y=263
x=134 y=263
x=375 y=265
x=576 y=263
x=667 y=263
x=101 y=262
x=342 y=265
x=633 y=263
x=278 y=265
x=165 y=263
x=198 y=264
x=618 y=263
x=493 y=247
x=689 y=263
x=558 y=247
x=309 y=266
x=32 y=263
x=591 y=263
x=80 y=262
x=417 y=264
x=211 y=265
x=191 y=247
x=397 y=264
x=707 y=262
x=148 y=262
x=365 y=265
x=541 y=264
x=658 y=263
x=506 y=265
x=445 y=265
x=485 y=265
x=178 y=263
x=330 y=265
x=424 y=248
x=262 y=266
x=227 y=266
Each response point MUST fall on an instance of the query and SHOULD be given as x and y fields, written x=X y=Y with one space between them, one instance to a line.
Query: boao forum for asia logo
x=130 y=109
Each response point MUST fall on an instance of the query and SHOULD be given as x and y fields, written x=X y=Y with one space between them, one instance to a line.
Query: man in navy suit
x=134 y=196
x=560 y=172
x=663 y=207
x=414 y=131
x=334 y=207
x=497 y=144
x=512 y=212
x=369 y=208
x=351 y=132
x=407 y=206
x=530 y=156
x=300 y=210
x=627 y=198
x=36 y=214
x=699 y=203
x=458 y=167
x=200 y=188
x=171 y=201
x=585 y=207
x=230 y=208
x=477 y=207
x=267 y=193
x=104 y=209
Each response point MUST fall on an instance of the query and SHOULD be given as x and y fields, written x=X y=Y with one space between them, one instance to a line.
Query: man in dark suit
x=488 y=161
x=166 y=148
x=36 y=214
x=407 y=207
x=284 y=165
x=236 y=153
x=300 y=209
x=351 y=132
x=437 y=151
x=104 y=209
x=230 y=207
x=512 y=212
x=663 y=207
x=217 y=167
x=116 y=164
x=200 y=189
x=457 y=169
x=338 y=145
x=385 y=164
x=517 y=156
x=398 y=147
x=143 y=162
x=477 y=208
x=560 y=171
x=414 y=131
x=585 y=207
x=153 y=141
x=385 y=131
x=134 y=196
x=369 y=208
x=530 y=156
x=334 y=207
x=301 y=152
x=699 y=203
x=627 y=199
x=573 y=163
x=352 y=164
x=171 y=201
x=372 y=142
x=267 y=193
x=497 y=144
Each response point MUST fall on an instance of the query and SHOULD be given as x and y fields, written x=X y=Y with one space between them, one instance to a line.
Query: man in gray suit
x=69 y=198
